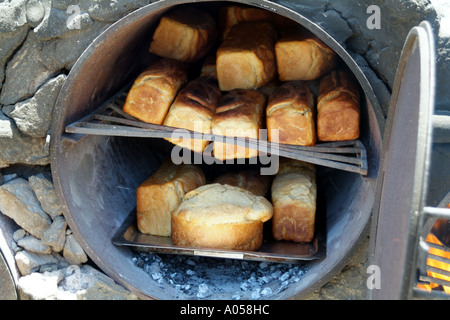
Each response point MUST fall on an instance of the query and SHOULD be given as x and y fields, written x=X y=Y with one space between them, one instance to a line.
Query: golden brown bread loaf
x=162 y=193
x=193 y=109
x=249 y=180
x=220 y=216
x=338 y=112
x=154 y=90
x=290 y=110
x=239 y=114
x=232 y=15
x=185 y=34
x=294 y=194
x=301 y=55
x=246 y=57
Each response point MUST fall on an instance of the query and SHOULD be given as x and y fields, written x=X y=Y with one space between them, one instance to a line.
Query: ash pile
x=220 y=279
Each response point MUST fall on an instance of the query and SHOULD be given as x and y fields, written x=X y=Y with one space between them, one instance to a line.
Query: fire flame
x=437 y=264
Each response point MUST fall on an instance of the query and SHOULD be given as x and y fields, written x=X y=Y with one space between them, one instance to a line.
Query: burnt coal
x=215 y=278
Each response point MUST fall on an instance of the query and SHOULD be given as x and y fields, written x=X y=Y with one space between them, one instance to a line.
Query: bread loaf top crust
x=200 y=96
x=249 y=180
x=335 y=83
x=293 y=94
x=185 y=34
x=246 y=57
x=185 y=177
x=154 y=90
x=214 y=204
x=241 y=105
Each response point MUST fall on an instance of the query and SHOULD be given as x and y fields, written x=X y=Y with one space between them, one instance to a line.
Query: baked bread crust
x=338 y=111
x=154 y=90
x=162 y=193
x=301 y=55
x=239 y=114
x=208 y=68
x=186 y=34
x=193 y=109
x=249 y=180
x=290 y=110
x=220 y=216
x=294 y=194
x=246 y=57
x=232 y=15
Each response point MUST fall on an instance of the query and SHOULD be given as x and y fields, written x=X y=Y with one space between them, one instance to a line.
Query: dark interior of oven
x=96 y=176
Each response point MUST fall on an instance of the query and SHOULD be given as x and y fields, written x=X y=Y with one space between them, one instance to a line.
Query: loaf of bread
x=249 y=180
x=208 y=68
x=185 y=34
x=234 y=14
x=338 y=111
x=154 y=90
x=193 y=109
x=221 y=216
x=162 y=193
x=239 y=114
x=290 y=111
x=301 y=55
x=294 y=194
x=246 y=57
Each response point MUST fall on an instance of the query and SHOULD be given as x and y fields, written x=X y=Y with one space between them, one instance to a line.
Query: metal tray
x=271 y=250
x=109 y=119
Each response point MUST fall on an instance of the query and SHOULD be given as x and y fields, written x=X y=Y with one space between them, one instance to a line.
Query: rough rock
x=35 y=11
x=19 y=234
x=6 y=126
x=56 y=24
x=340 y=31
x=46 y=50
x=110 y=11
x=22 y=149
x=71 y=283
x=60 y=53
x=8 y=44
x=383 y=46
x=18 y=202
x=34 y=244
x=37 y=61
x=12 y=15
x=443 y=50
x=40 y=286
x=33 y=117
x=26 y=72
x=55 y=235
x=29 y=262
x=13 y=30
x=73 y=252
x=45 y=192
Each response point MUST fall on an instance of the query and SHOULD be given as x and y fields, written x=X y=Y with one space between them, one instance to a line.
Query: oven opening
x=103 y=154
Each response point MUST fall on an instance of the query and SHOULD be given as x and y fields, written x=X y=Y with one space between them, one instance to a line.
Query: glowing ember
x=431 y=238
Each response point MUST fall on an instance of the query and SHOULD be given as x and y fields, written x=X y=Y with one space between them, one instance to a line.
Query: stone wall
x=40 y=40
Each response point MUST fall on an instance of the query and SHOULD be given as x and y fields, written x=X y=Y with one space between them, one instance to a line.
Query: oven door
x=402 y=181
